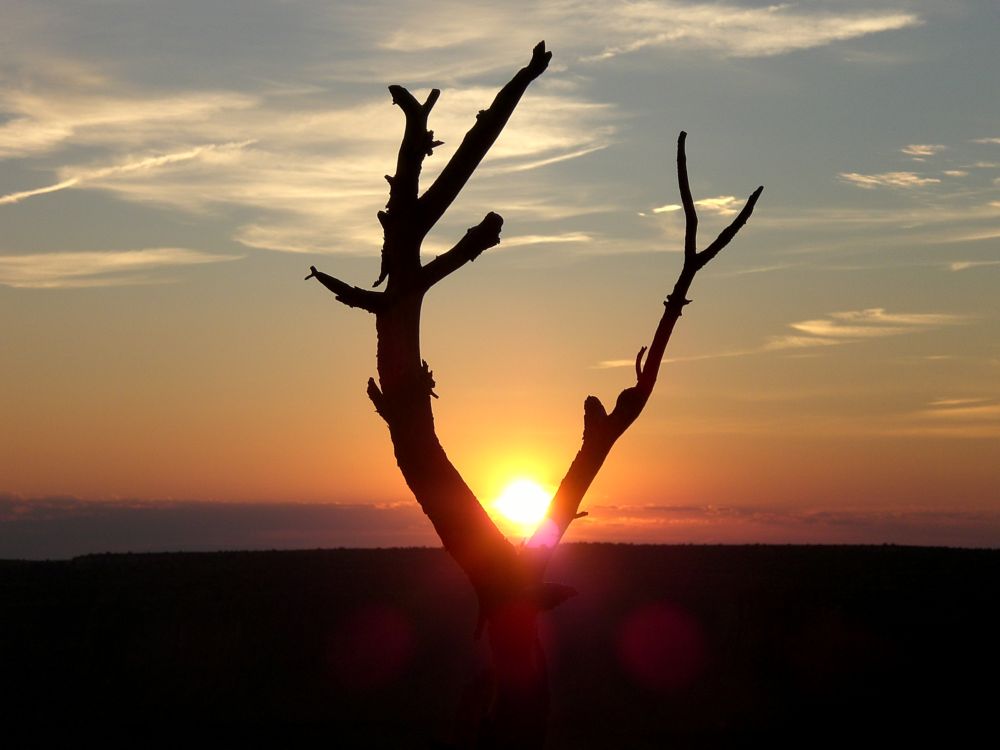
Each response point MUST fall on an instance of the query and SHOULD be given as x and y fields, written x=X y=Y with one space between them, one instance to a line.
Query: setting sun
x=524 y=502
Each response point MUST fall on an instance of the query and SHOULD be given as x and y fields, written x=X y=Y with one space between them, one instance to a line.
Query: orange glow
x=523 y=503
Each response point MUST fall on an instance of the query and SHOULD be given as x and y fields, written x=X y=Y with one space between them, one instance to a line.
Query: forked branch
x=489 y=123
x=602 y=429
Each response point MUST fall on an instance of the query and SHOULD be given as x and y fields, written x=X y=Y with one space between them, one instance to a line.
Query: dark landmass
x=664 y=646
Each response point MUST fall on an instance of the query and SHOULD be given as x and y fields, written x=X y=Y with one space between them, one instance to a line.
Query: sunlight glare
x=523 y=502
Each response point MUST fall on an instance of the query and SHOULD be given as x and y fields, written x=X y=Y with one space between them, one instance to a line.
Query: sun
x=523 y=502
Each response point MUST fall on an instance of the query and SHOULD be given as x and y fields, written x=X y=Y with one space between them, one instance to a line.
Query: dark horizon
x=62 y=528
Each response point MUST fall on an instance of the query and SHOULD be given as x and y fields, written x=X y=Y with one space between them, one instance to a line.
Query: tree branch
x=602 y=430
x=481 y=237
x=727 y=234
x=479 y=139
x=417 y=143
x=690 y=215
x=351 y=296
x=401 y=232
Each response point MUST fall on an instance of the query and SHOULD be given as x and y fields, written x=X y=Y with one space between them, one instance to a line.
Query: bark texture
x=509 y=581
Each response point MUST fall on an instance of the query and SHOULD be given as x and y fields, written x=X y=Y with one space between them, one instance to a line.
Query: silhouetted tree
x=508 y=580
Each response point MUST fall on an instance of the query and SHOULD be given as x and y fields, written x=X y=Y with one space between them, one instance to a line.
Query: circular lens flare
x=523 y=502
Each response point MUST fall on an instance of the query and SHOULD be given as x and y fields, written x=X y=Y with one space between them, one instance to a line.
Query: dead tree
x=508 y=580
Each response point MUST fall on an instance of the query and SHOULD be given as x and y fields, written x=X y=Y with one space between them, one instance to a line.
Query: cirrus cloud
x=92 y=269
x=888 y=179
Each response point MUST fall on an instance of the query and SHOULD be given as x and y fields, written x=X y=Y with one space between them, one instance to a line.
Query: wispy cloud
x=312 y=178
x=857 y=325
x=79 y=178
x=994 y=141
x=888 y=179
x=40 y=123
x=546 y=239
x=975 y=409
x=963 y=265
x=598 y=30
x=725 y=205
x=729 y=29
x=92 y=269
x=957 y=401
x=836 y=329
x=922 y=149
x=958 y=418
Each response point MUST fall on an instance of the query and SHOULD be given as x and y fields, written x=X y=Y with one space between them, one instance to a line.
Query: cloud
x=92 y=269
x=856 y=325
x=956 y=173
x=994 y=141
x=592 y=31
x=956 y=418
x=59 y=527
x=888 y=179
x=725 y=205
x=836 y=329
x=313 y=177
x=922 y=149
x=963 y=409
x=44 y=121
x=963 y=265
x=731 y=30
x=957 y=401
x=79 y=178
x=542 y=239
x=712 y=524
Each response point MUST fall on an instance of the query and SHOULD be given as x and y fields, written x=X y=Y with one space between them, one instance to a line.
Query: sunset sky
x=170 y=170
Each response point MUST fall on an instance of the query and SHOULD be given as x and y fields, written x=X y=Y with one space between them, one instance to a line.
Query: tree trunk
x=509 y=582
x=521 y=706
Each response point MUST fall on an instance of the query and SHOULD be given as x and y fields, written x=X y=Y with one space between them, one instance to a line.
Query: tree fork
x=508 y=581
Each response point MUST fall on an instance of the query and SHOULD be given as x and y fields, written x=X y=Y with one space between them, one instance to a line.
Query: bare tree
x=508 y=580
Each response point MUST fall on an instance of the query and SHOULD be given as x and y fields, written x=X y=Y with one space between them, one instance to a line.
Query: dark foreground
x=664 y=646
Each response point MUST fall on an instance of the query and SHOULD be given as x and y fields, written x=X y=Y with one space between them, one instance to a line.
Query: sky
x=169 y=172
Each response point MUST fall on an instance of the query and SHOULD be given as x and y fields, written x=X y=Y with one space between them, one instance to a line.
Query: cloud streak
x=92 y=269
x=60 y=527
x=922 y=149
x=83 y=177
x=838 y=328
x=312 y=178
x=48 y=120
x=964 y=265
x=888 y=179
x=724 y=205
x=859 y=325
x=708 y=524
x=731 y=30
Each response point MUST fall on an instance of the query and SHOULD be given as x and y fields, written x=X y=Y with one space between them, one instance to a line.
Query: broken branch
x=351 y=296
x=484 y=235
